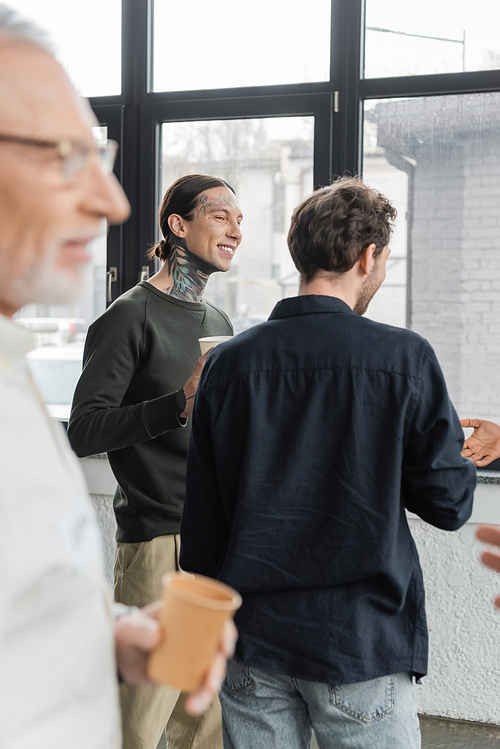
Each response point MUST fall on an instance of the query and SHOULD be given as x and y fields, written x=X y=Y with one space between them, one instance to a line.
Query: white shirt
x=57 y=673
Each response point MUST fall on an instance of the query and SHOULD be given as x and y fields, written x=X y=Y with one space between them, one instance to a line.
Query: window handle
x=111 y=277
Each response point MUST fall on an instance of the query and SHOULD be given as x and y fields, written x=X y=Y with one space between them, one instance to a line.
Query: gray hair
x=17 y=27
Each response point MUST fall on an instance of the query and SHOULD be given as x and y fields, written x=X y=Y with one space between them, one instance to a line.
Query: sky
x=389 y=54
x=87 y=36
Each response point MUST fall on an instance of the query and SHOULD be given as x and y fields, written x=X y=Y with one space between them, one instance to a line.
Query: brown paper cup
x=207 y=343
x=192 y=618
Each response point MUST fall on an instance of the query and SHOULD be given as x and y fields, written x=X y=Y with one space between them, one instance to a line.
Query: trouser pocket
x=367 y=701
x=237 y=679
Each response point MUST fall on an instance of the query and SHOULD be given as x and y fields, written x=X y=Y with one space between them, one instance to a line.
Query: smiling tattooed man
x=133 y=401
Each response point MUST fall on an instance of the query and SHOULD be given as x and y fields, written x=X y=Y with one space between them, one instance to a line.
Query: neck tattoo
x=188 y=274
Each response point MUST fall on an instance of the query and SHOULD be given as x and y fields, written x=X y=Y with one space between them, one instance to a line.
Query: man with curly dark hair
x=312 y=435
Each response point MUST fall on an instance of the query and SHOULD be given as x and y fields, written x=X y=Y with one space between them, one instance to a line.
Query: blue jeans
x=261 y=710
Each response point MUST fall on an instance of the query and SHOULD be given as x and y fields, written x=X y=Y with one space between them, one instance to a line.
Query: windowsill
x=486 y=506
x=488 y=477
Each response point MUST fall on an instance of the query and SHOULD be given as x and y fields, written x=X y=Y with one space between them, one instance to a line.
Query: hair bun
x=160 y=248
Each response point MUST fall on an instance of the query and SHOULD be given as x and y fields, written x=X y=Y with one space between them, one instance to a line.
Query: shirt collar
x=309 y=304
x=15 y=341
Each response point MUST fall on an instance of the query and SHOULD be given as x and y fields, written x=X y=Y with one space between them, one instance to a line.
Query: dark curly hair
x=331 y=229
x=180 y=198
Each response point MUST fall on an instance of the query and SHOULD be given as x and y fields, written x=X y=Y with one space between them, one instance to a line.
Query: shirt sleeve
x=438 y=483
x=100 y=421
x=205 y=530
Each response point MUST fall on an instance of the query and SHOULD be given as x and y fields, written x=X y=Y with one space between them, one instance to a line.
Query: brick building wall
x=436 y=258
x=480 y=280
x=454 y=214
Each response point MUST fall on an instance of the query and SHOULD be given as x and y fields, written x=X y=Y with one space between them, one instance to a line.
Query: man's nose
x=235 y=231
x=104 y=195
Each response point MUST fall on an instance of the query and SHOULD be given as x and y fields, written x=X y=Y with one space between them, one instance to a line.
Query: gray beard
x=43 y=284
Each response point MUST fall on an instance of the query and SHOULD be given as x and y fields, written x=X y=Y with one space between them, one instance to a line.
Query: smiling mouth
x=225 y=248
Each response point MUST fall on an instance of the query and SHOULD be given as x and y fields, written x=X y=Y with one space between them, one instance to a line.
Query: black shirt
x=137 y=356
x=311 y=434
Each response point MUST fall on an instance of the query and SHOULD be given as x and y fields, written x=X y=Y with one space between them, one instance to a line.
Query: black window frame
x=134 y=117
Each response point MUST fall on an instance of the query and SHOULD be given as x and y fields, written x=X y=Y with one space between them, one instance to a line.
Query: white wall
x=101 y=484
x=464 y=628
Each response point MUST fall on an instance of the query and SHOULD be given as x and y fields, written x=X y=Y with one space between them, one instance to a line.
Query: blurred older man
x=57 y=666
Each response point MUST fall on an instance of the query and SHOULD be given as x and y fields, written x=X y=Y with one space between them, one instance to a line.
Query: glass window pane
x=245 y=44
x=269 y=162
x=437 y=158
x=389 y=303
x=87 y=37
x=432 y=36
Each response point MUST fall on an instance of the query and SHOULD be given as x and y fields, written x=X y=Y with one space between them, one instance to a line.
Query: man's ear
x=367 y=261
x=176 y=224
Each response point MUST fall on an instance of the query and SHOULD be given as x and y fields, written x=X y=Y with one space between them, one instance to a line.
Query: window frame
x=134 y=118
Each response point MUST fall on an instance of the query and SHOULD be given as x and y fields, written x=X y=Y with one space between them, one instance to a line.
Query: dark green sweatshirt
x=137 y=356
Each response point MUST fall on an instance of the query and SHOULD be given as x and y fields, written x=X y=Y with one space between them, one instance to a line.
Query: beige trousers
x=146 y=710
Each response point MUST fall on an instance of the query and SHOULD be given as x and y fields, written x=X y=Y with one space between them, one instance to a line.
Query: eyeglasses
x=74 y=154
